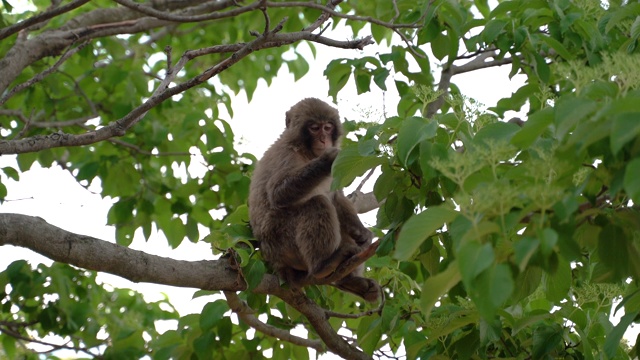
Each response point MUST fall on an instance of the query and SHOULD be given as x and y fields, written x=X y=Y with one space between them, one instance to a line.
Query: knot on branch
x=59 y=136
x=361 y=43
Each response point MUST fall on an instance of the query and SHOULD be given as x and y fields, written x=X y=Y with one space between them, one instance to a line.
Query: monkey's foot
x=351 y=264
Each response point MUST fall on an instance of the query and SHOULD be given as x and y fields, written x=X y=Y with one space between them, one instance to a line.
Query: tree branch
x=479 y=62
x=94 y=254
x=316 y=315
x=187 y=18
x=9 y=30
x=245 y=313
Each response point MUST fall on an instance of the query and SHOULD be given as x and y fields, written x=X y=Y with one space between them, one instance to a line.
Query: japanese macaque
x=305 y=230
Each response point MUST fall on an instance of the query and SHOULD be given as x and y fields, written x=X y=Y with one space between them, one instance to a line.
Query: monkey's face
x=312 y=126
x=322 y=135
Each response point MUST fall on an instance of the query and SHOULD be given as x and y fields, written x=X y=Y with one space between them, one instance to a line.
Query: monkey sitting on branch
x=306 y=231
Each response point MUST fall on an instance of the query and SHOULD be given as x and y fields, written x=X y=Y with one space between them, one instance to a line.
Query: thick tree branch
x=94 y=254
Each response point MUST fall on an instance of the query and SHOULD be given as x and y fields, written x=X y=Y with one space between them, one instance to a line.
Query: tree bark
x=94 y=254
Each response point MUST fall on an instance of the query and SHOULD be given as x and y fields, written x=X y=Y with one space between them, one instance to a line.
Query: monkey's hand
x=330 y=154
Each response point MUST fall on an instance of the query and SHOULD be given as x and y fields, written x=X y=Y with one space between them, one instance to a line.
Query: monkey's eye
x=314 y=127
x=328 y=127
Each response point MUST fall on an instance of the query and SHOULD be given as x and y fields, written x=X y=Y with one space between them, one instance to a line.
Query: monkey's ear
x=287 y=119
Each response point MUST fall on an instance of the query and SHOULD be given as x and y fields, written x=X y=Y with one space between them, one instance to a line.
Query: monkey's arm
x=290 y=187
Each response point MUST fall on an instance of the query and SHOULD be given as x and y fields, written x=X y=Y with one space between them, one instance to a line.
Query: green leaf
x=612 y=248
x=9 y=346
x=626 y=127
x=363 y=81
x=496 y=132
x=524 y=250
x=212 y=313
x=350 y=164
x=545 y=339
x=440 y=46
x=542 y=68
x=121 y=212
x=558 y=284
x=369 y=333
x=298 y=67
x=9 y=8
x=505 y=7
x=203 y=345
x=557 y=46
x=483 y=7
x=569 y=112
x=254 y=273
x=88 y=171
x=11 y=173
x=492 y=289
x=175 y=232
x=538 y=122
x=419 y=227
x=380 y=75
x=3 y=192
x=473 y=259
x=338 y=74
x=492 y=30
x=548 y=240
x=632 y=180
x=413 y=131
x=437 y=286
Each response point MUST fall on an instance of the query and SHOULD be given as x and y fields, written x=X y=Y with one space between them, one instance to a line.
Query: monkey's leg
x=318 y=236
x=349 y=221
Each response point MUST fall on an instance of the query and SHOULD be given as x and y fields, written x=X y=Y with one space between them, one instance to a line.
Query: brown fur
x=305 y=230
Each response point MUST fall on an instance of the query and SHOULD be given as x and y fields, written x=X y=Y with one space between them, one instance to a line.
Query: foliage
x=69 y=303
x=499 y=239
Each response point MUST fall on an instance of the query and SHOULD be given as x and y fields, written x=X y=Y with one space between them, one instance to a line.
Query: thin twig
x=365 y=179
x=16 y=335
x=331 y=4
